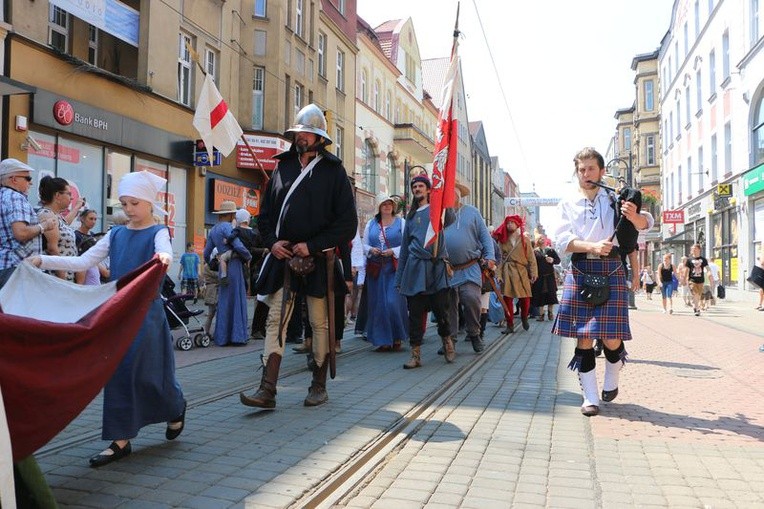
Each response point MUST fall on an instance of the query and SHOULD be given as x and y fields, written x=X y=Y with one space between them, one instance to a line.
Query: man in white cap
x=20 y=230
x=307 y=211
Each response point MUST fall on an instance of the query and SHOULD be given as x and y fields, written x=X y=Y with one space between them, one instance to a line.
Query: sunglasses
x=28 y=179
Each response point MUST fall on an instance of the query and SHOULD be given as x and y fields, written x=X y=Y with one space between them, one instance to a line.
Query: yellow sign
x=724 y=190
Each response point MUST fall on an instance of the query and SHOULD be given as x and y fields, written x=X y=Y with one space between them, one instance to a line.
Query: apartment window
x=210 y=63
x=341 y=6
x=701 y=170
x=298 y=19
x=699 y=90
x=92 y=45
x=758 y=133
x=672 y=194
x=377 y=97
x=677 y=60
x=410 y=68
x=712 y=72
x=369 y=168
x=58 y=28
x=365 y=86
x=392 y=176
x=299 y=61
x=397 y=119
x=727 y=148
x=340 y=70
x=261 y=8
x=627 y=138
x=289 y=14
x=686 y=34
x=671 y=126
x=687 y=105
x=679 y=183
x=258 y=89
x=288 y=53
x=649 y=95
x=322 y=54
x=726 y=55
x=671 y=71
x=697 y=18
x=184 y=69
x=678 y=118
x=754 y=21
x=650 y=150
x=388 y=105
x=339 y=136
x=261 y=37
x=299 y=93
x=287 y=102
x=689 y=177
x=714 y=160
x=710 y=7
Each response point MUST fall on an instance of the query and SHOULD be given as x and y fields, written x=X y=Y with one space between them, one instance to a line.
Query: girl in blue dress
x=143 y=390
x=387 y=323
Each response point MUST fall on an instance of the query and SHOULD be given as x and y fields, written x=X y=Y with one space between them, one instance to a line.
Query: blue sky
x=564 y=65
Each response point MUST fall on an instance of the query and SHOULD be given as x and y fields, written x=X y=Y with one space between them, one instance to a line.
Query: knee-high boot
x=317 y=393
x=265 y=397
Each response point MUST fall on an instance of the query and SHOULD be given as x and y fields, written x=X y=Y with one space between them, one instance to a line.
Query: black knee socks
x=583 y=360
x=616 y=355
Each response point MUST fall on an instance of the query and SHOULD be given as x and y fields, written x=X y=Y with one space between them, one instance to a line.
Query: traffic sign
x=203 y=158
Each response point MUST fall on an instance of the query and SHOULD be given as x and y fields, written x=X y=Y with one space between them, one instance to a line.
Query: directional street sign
x=203 y=159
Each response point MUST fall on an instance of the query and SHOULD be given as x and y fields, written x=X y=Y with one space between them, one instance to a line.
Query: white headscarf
x=143 y=185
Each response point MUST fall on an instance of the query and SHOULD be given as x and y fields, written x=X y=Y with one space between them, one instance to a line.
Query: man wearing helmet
x=307 y=209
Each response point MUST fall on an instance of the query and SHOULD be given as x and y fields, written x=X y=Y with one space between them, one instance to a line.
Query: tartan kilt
x=579 y=319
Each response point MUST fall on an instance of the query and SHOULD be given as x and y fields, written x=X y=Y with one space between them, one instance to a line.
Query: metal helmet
x=310 y=119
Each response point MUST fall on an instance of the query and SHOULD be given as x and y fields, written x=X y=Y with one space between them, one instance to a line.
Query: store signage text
x=243 y=197
x=673 y=216
x=65 y=114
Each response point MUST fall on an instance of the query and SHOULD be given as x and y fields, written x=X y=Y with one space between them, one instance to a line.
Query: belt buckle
x=592 y=256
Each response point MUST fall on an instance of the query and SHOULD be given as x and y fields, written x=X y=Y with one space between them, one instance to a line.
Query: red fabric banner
x=49 y=372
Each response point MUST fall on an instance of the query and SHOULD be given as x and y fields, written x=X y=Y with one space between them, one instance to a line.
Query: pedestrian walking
x=595 y=297
x=697 y=269
x=231 y=325
x=544 y=289
x=88 y=219
x=421 y=276
x=684 y=282
x=518 y=269
x=144 y=389
x=306 y=212
x=665 y=274
x=647 y=280
x=469 y=245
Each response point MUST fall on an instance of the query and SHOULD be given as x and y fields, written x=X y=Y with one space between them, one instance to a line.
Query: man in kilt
x=588 y=222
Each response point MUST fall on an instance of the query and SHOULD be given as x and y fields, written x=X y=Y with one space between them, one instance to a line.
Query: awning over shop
x=9 y=86
x=679 y=238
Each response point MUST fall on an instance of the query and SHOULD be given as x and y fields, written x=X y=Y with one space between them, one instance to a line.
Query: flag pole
x=453 y=50
x=258 y=164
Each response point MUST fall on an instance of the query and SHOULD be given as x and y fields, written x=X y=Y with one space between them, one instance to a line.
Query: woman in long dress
x=144 y=389
x=387 y=312
x=544 y=289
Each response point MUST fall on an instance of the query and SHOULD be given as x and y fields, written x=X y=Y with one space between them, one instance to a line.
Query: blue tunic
x=231 y=325
x=467 y=238
x=387 y=310
x=418 y=272
x=144 y=389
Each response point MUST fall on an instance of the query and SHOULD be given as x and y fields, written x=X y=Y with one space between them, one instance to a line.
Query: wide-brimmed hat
x=227 y=207
x=382 y=198
x=10 y=165
x=463 y=190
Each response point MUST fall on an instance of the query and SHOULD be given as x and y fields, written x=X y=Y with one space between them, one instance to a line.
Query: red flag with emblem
x=216 y=124
x=444 y=160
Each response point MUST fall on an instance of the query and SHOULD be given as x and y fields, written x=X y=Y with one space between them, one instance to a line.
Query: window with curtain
x=369 y=168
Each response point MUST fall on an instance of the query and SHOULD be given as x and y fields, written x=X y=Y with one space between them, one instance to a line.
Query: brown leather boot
x=449 y=352
x=416 y=358
x=317 y=393
x=265 y=397
x=305 y=347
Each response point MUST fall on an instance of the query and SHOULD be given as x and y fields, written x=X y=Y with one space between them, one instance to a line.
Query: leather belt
x=614 y=253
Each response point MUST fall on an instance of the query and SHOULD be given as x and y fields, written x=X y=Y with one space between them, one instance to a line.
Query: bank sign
x=753 y=181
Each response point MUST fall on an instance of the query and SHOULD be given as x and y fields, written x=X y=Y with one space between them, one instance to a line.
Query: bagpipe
x=625 y=231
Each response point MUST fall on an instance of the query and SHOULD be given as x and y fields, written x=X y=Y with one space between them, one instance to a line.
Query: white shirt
x=99 y=252
x=590 y=221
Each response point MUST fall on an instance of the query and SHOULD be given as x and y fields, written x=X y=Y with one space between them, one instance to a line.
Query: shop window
x=82 y=165
x=176 y=210
x=118 y=164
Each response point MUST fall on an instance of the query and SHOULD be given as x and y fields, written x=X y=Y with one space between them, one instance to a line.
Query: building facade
x=483 y=171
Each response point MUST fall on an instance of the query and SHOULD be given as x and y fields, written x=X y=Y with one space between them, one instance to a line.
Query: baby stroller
x=178 y=315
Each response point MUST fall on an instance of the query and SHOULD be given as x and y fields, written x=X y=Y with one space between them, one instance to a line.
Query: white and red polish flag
x=446 y=145
x=216 y=124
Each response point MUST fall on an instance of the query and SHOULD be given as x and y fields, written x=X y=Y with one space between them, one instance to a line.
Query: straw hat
x=463 y=190
x=227 y=207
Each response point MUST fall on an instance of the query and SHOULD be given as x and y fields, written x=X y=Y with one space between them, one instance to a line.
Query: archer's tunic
x=418 y=272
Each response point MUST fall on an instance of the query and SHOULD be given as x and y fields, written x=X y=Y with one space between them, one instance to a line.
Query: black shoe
x=609 y=395
x=100 y=460
x=509 y=330
x=477 y=344
x=526 y=325
x=590 y=410
x=172 y=434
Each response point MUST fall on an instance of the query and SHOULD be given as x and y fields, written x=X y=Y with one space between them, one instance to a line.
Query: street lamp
x=628 y=162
